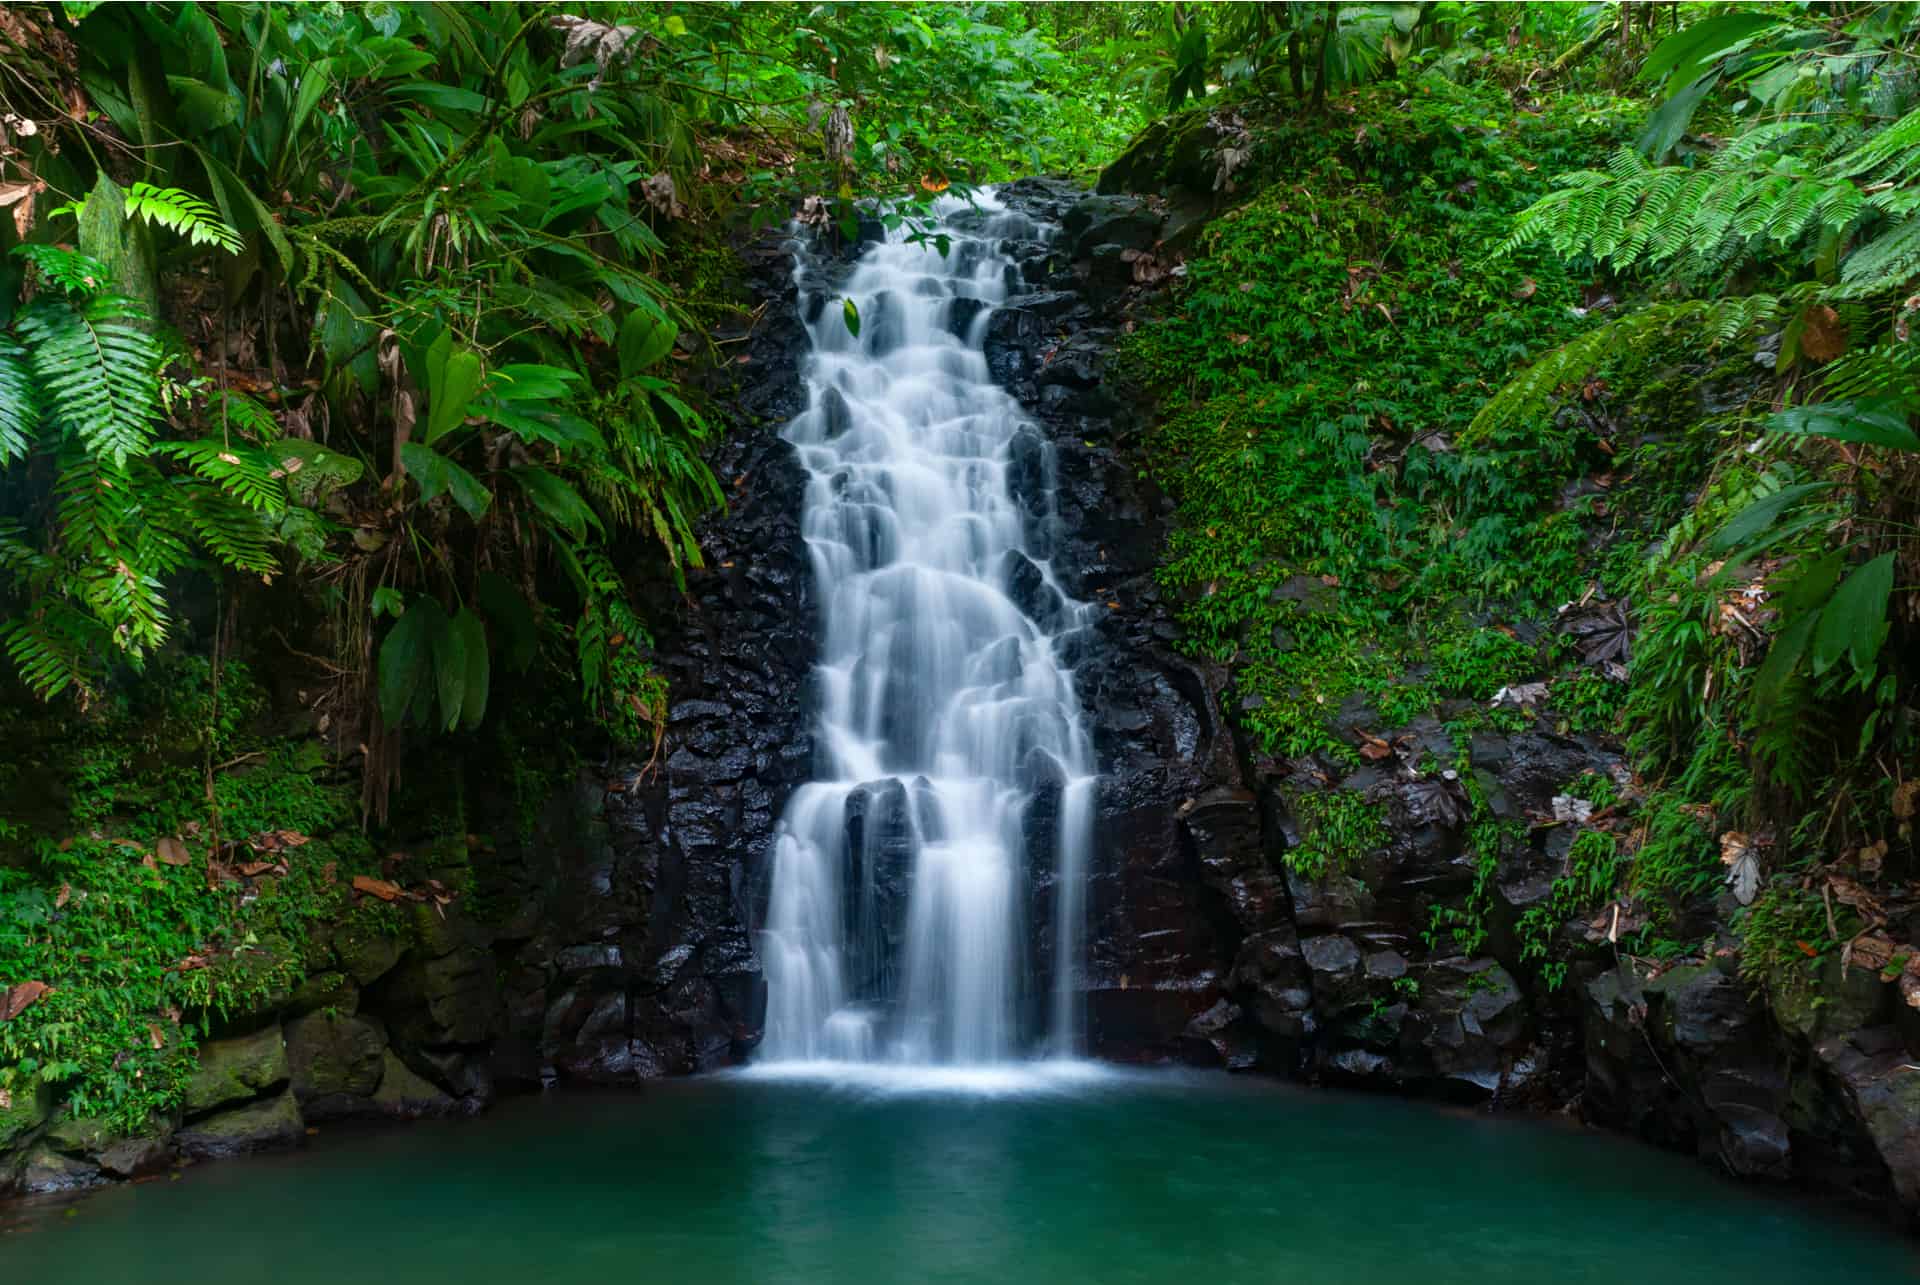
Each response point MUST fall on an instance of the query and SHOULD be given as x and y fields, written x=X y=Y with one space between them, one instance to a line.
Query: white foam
x=905 y=1079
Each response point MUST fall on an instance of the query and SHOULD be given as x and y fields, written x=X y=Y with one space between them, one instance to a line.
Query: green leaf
x=311 y=470
x=202 y=108
x=406 y=658
x=98 y=373
x=1870 y=421
x=388 y=601
x=1668 y=124
x=645 y=339
x=450 y=668
x=436 y=474
x=1854 y=623
x=472 y=633
x=315 y=79
x=1811 y=584
x=1762 y=513
x=1681 y=58
x=1783 y=657
x=452 y=380
x=560 y=503
x=852 y=314
x=511 y=618
x=19 y=403
x=528 y=381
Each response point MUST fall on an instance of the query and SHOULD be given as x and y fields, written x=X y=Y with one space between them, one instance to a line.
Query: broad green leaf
x=1810 y=584
x=852 y=314
x=314 y=81
x=473 y=645
x=510 y=617
x=1681 y=58
x=1854 y=621
x=1870 y=421
x=1762 y=513
x=450 y=670
x=1783 y=657
x=1668 y=124
x=557 y=501
x=311 y=470
x=435 y=474
x=202 y=107
x=527 y=381
x=406 y=658
x=645 y=339
x=453 y=377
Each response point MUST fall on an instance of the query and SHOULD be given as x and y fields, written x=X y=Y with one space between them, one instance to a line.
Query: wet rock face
x=645 y=886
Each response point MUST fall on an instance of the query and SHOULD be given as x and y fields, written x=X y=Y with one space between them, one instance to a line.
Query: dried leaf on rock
x=380 y=888
x=1849 y=893
x=1435 y=803
x=1567 y=808
x=1520 y=694
x=1738 y=853
x=1871 y=951
x=172 y=851
x=1601 y=632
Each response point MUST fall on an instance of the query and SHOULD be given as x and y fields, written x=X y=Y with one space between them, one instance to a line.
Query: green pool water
x=1102 y=1177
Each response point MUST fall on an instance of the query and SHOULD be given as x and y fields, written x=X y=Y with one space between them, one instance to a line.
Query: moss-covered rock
x=402 y=1093
x=331 y=1055
x=135 y=1157
x=237 y=1070
x=79 y=1137
x=331 y=991
x=1826 y=1000
x=365 y=951
x=258 y=1126
x=22 y=1111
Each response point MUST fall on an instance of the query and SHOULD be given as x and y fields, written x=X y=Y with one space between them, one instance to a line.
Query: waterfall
x=948 y=738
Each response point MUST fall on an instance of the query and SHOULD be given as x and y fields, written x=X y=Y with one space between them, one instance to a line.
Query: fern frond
x=182 y=212
x=238 y=413
x=244 y=472
x=19 y=403
x=1532 y=393
x=1888 y=156
x=99 y=374
x=1887 y=262
x=233 y=533
x=52 y=648
x=74 y=273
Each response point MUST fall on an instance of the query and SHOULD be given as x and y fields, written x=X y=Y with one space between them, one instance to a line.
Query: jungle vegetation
x=351 y=362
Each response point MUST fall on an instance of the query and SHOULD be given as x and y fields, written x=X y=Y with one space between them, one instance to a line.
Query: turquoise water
x=1125 y=1178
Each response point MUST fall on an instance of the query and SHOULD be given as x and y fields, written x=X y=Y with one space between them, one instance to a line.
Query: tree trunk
x=1329 y=21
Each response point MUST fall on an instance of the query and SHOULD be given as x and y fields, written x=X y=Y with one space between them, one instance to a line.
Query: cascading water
x=896 y=927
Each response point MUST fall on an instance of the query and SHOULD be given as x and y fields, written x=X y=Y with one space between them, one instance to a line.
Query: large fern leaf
x=99 y=373
x=19 y=402
x=183 y=212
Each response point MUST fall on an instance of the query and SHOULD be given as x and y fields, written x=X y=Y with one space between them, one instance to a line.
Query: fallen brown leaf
x=380 y=888
x=16 y=1000
x=172 y=851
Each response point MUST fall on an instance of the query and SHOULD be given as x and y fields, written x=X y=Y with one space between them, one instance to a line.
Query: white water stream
x=943 y=709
